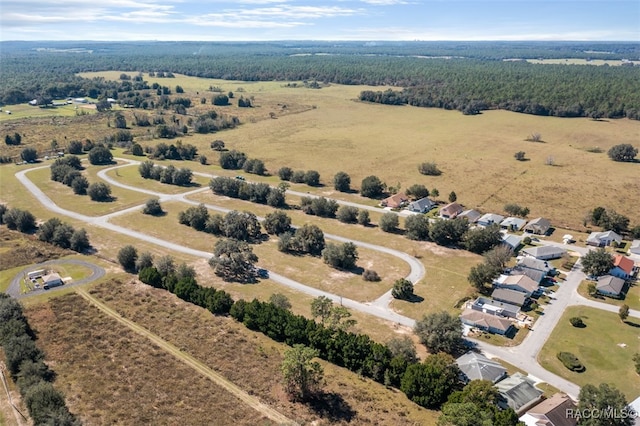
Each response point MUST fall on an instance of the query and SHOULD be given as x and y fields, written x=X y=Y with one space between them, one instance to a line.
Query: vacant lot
x=605 y=347
x=111 y=368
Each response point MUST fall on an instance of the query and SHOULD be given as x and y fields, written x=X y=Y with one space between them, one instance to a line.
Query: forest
x=467 y=76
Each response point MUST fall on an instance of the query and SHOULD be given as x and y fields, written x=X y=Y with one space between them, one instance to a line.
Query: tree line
x=26 y=364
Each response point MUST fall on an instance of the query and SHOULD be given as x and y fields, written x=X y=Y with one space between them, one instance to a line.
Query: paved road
x=14 y=287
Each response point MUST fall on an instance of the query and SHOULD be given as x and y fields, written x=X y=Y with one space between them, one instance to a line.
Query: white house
x=513 y=224
x=489 y=219
x=544 y=252
x=540 y=226
x=602 y=239
x=609 y=285
x=521 y=283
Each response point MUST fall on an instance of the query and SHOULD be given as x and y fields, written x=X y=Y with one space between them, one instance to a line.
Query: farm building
x=475 y=366
x=540 y=226
x=51 y=280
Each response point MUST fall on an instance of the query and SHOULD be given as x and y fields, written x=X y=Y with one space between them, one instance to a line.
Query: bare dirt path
x=191 y=362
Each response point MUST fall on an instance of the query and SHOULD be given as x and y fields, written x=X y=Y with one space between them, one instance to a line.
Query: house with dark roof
x=486 y=322
x=509 y=296
x=603 y=239
x=395 y=201
x=520 y=282
x=540 y=226
x=608 y=285
x=475 y=366
x=471 y=215
x=551 y=412
x=423 y=205
x=518 y=392
x=495 y=307
x=489 y=219
x=622 y=267
x=544 y=252
x=533 y=263
x=450 y=211
x=513 y=224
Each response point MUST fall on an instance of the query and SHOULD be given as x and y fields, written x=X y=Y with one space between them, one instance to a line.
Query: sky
x=223 y=20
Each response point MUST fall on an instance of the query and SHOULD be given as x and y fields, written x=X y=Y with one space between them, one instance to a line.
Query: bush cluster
x=243 y=226
x=571 y=361
x=260 y=193
x=169 y=175
x=310 y=177
x=16 y=219
x=25 y=362
x=67 y=171
x=319 y=206
x=179 y=151
x=61 y=234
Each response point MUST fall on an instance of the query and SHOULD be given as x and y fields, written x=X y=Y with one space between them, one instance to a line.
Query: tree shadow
x=332 y=407
x=632 y=324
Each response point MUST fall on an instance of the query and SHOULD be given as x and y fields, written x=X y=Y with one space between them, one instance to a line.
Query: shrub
x=153 y=207
x=99 y=191
x=100 y=155
x=577 y=322
x=342 y=182
x=429 y=169
x=571 y=361
x=298 y=176
x=371 y=187
x=285 y=173
x=29 y=155
x=347 y=214
x=370 y=275
x=389 y=222
x=312 y=178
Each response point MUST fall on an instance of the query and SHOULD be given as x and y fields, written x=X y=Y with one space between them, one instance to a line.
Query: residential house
x=635 y=247
x=422 y=205
x=622 y=267
x=509 y=296
x=486 y=322
x=551 y=412
x=609 y=285
x=513 y=224
x=511 y=241
x=395 y=201
x=521 y=283
x=540 y=226
x=471 y=215
x=475 y=366
x=534 y=274
x=51 y=280
x=489 y=219
x=603 y=239
x=635 y=406
x=544 y=252
x=533 y=263
x=495 y=307
x=518 y=392
x=450 y=211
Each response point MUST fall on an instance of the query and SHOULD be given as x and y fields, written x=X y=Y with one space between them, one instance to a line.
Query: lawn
x=130 y=176
x=632 y=299
x=64 y=197
x=605 y=347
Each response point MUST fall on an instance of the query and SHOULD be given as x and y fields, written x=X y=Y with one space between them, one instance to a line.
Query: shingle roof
x=623 y=263
x=421 y=204
x=478 y=367
x=544 y=251
x=521 y=281
x=610 y=284
x=510 y=296
x=480 y=319
x=451 y=208
x=555 y=410
x=471 y=215
x=519 y=391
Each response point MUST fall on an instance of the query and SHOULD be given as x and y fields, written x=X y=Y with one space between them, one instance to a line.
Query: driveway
x=14 y=287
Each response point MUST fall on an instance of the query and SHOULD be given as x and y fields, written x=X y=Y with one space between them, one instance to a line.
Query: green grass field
x=130 y=176
x=605 y=347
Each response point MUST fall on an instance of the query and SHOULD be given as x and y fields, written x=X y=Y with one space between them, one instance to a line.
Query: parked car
x=240 y=177
x=262 y=273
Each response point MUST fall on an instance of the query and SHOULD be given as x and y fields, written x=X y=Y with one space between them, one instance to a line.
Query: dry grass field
x=112 y=374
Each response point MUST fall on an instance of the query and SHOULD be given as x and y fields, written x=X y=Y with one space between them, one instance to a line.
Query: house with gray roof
x=423 y=205
x=475 y=366
x=540 y=226
x=495 y=307
x=513 y=224
x=471 y=215
x=509 y=296
x=486 y=322
x=511 y=241
x=521 y=283
x=489 y=219
x=603 y=239
x=450 y=211
x=518 y=392
x=608 y=285
x=544 y=252
x=533 y=263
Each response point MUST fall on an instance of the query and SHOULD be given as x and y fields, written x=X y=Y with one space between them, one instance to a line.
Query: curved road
x=523 y=356
x=14 y=287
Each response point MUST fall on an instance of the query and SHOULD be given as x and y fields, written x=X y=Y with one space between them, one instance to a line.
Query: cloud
x=385 y=2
